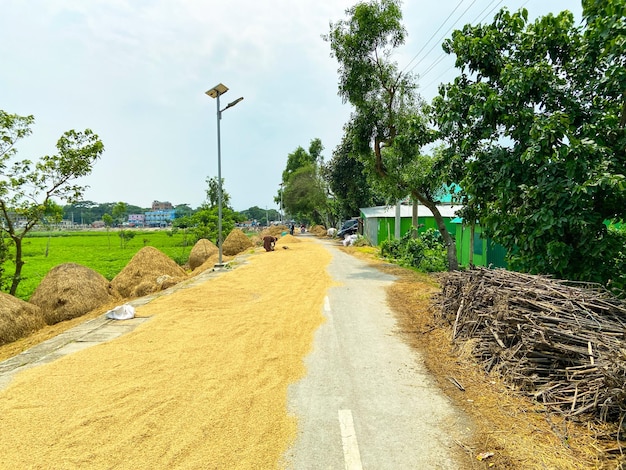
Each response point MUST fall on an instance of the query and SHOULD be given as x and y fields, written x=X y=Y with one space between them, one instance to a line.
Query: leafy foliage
x=388 y=127
x=535 y=121
x=426 y=253
x=28 y=190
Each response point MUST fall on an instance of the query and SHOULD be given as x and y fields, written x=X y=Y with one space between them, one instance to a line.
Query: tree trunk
x=471 y=245
x=17 y=276
x=453 y=264
x=414 y=220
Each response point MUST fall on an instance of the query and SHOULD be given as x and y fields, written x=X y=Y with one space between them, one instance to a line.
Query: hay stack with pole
x=150 y=270
x=201 y=252
x=18 y=319
x=70 y=290
x=236 y=242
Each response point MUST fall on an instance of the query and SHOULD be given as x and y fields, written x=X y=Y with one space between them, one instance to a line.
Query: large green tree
x=537 y=120
x=28 y=190
x=305 y=194
x=348 y=181
x=385 y=101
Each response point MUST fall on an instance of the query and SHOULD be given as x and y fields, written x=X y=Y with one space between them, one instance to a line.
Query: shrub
x=426 y=253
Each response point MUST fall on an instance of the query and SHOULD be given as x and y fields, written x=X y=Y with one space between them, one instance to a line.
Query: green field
x=100 y=251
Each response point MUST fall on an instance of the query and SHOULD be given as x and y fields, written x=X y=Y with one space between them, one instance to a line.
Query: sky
x=136 y=73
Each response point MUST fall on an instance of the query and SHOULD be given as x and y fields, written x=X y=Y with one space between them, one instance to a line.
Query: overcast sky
x=135 y=72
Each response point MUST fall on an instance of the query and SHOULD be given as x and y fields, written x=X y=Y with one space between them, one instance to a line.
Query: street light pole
x=216 y=92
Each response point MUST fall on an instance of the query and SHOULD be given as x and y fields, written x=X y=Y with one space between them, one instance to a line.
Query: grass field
x=100 y=251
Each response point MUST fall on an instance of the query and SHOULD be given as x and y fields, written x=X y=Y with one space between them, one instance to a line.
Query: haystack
x=18 y=319
x=70 y=290
x=142 y=273
x=208 y=264
x=274 y=231
x=288 y=239
x=201 y=251
x=318 y=230
x=236 y=242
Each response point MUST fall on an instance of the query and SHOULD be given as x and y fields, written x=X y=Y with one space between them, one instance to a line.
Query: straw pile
x=208 y=264
x=559 y=344
x=273 y=231
x=70 y=290
x=201 y=251
x=236 y=242
x=288 y=239
x=18 y=318
x=144 y=273
x=318 y=230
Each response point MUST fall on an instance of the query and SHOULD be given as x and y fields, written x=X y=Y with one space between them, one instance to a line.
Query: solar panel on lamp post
x=215 y=92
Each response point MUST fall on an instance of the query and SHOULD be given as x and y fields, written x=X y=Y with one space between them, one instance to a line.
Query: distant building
x=161 y=206
x=137 y=220
x=159 y=218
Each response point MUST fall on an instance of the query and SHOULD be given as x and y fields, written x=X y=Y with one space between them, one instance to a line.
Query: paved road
x=367 y=402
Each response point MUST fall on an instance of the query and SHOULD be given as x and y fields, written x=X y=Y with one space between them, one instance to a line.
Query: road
x=366 y=401
x=211 y=375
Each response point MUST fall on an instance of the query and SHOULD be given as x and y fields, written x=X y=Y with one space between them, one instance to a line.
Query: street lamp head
x=217 y=90
x=232 y=103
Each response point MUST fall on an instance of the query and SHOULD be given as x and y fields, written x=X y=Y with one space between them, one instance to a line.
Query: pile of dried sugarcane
x=564 y=345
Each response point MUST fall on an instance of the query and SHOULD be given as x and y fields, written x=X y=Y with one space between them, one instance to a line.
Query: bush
x=426 y=253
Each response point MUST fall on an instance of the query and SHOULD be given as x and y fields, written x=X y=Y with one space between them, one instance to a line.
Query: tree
x=305 y=197
x=213 y=191
x=384 y=98
x=53 y=215
x=348 y=181
x=119 y=212
x=28 y=189
x=108 y=222
x=304 y=191
x=537 y=117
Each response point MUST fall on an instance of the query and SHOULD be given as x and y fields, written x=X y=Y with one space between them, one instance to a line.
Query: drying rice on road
x=202 y=384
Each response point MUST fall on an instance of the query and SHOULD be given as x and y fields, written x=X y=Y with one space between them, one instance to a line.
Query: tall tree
x=29 y=189
x=347 y=178
x=384 y=98
x=304 y=191
x=538 y=117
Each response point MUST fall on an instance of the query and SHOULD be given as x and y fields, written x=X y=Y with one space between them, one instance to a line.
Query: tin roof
x=446 y=210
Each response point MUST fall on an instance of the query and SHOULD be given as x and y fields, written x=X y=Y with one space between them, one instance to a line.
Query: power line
x=432 y=36
x=445 y=34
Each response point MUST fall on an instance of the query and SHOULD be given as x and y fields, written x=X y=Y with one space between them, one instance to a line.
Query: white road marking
x=326 y=304
x=351 y=454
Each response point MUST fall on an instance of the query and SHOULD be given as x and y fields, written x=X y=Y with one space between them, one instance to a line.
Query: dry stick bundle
x=561 y=344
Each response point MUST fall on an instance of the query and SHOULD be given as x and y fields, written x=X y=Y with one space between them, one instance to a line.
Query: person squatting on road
x=269 y=242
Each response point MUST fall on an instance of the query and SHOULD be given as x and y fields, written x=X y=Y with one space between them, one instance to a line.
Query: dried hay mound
x=273 y=231
x=318 y=230
x=288 y=239
x=18 y=319
x=142 y=273
x=70 y=290
x=208 y=264
x=236 y=242
x=201 y=251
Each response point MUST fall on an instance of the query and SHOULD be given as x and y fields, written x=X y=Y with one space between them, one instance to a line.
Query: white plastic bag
x=123 y=312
